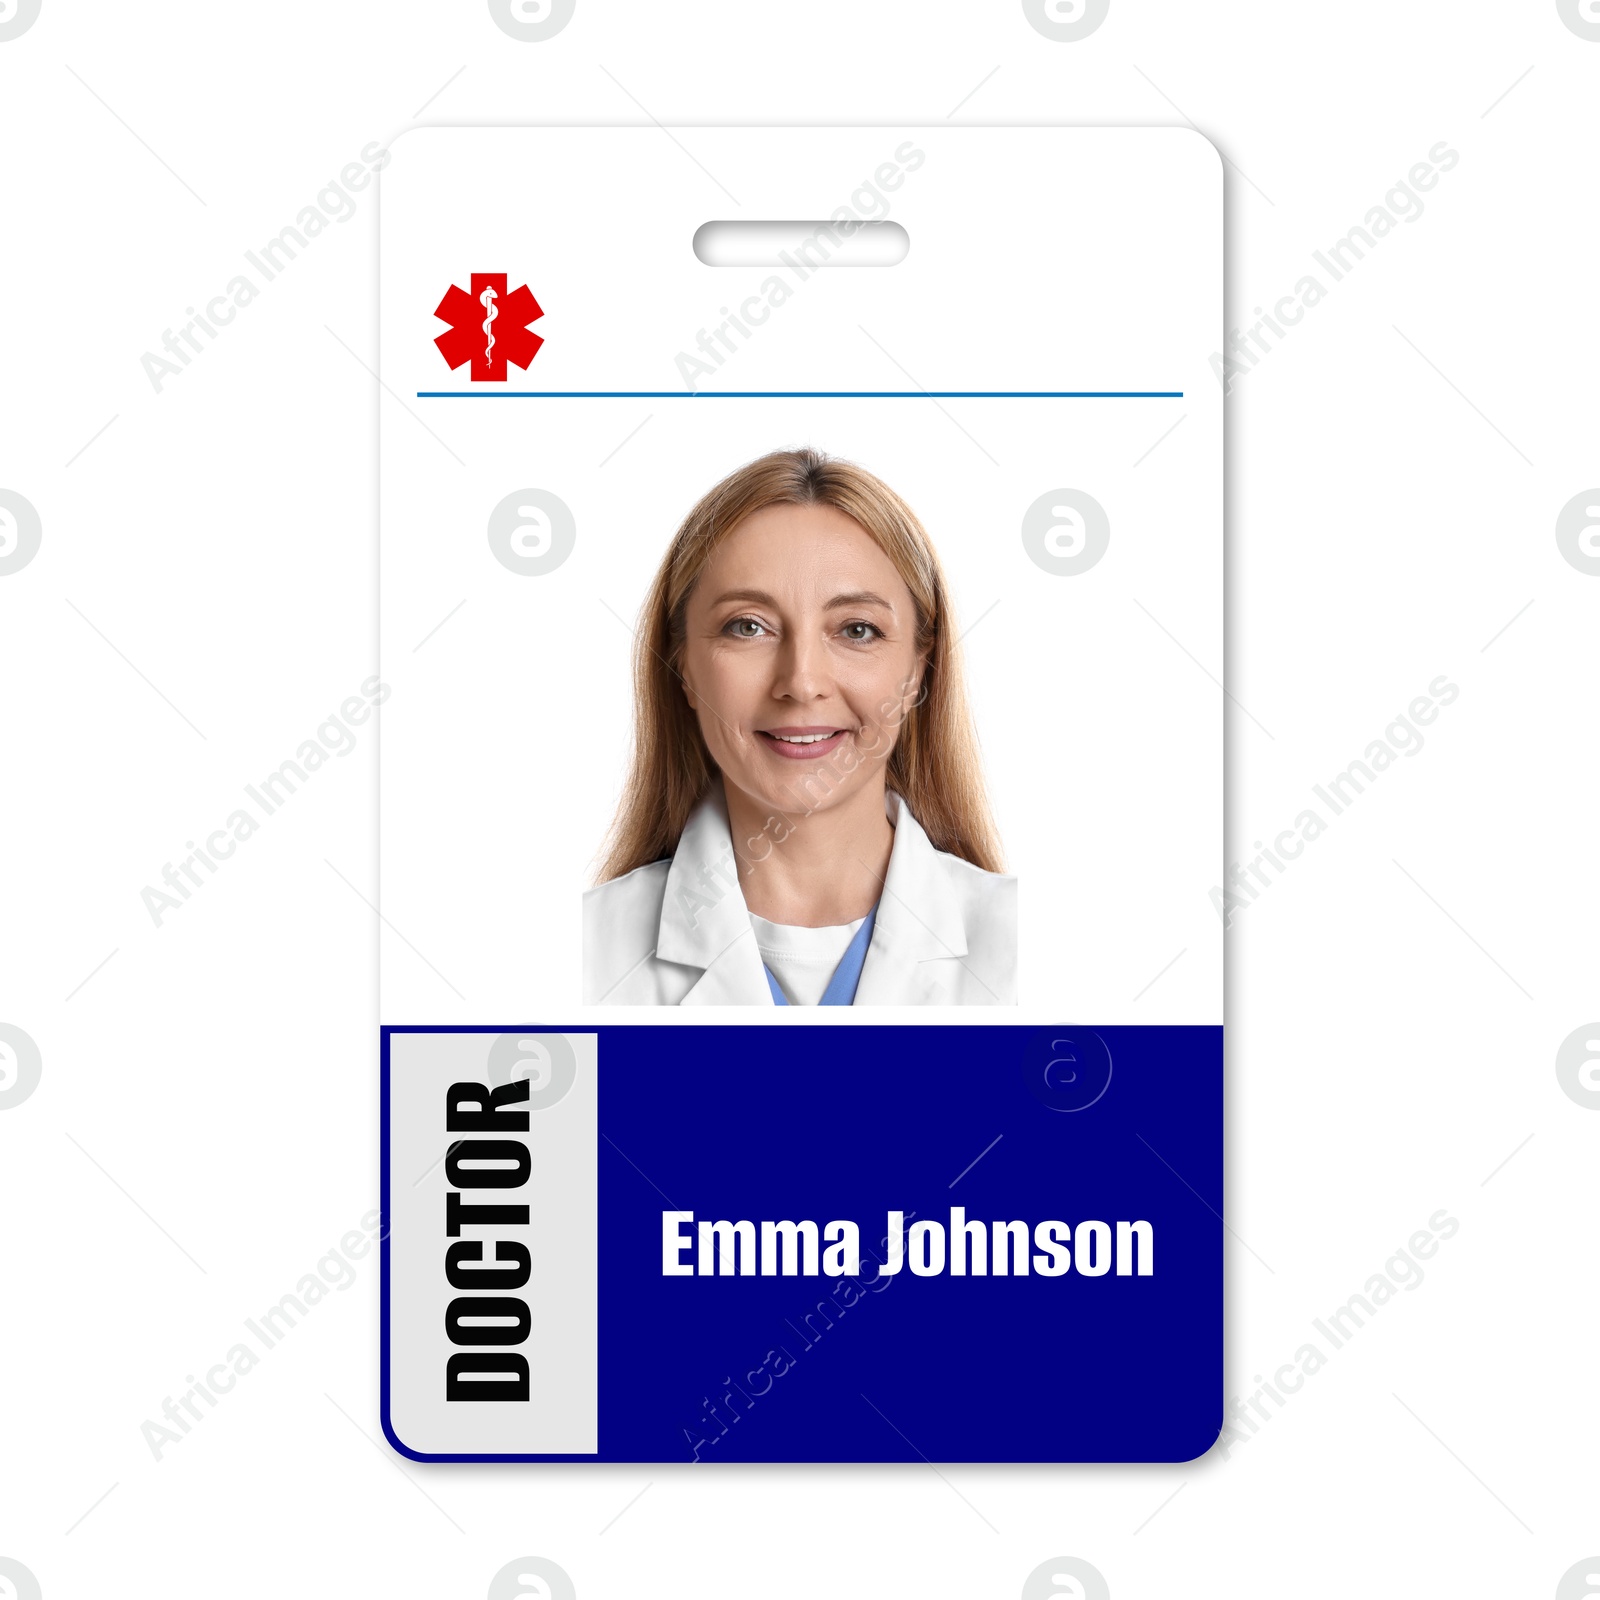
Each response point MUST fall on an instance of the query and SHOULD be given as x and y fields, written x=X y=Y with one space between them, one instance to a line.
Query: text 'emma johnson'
x=976 y=1249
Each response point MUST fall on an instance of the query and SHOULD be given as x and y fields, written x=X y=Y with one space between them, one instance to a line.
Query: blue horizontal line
x=800 y=394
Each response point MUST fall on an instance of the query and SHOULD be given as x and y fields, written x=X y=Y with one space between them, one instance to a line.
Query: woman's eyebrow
x=760 y=597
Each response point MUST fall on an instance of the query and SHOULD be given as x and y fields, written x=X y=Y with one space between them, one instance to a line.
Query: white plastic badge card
x=801 y=794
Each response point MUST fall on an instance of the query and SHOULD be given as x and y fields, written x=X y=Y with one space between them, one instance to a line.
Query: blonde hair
x=934 y=764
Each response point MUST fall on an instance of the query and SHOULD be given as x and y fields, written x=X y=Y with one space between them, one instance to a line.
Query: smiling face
x=800 y=658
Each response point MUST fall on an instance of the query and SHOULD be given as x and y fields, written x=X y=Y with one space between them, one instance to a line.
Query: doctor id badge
x=801 y=794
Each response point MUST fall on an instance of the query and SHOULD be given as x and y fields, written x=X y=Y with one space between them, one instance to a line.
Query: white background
x=204 y=1128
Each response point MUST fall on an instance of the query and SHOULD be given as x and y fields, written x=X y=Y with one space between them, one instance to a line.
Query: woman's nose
x=803 y=670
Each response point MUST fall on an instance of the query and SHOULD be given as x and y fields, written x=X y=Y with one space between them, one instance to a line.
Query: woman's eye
x=744 y=628
x=861 y=632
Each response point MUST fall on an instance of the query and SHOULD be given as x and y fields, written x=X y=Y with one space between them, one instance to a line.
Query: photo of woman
x=805 y=821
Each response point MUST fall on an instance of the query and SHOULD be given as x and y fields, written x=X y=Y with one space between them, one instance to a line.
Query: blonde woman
x=805 y=820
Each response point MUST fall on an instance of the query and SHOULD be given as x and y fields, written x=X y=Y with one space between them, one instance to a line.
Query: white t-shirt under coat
x=803 y=959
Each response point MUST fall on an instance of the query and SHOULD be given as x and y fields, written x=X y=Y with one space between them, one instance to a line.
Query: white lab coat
x=678 y=933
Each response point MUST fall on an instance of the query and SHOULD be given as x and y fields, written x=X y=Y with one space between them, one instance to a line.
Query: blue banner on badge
x=823 y=1243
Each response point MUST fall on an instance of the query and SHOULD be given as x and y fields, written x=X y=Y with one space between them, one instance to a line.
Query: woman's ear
x=920 y=678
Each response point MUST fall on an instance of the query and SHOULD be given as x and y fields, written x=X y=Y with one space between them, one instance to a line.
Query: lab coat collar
x=919 y=919
x=704 y=920
x=706 y=924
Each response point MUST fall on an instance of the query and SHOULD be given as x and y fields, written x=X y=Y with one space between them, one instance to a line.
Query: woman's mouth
x=802 y=744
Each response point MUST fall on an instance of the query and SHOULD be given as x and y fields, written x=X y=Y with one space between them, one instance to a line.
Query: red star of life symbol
x=488 y=327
